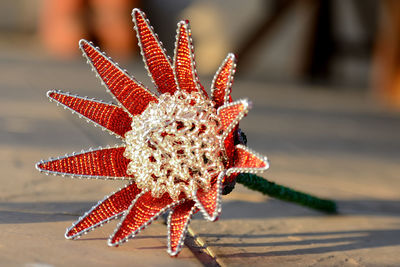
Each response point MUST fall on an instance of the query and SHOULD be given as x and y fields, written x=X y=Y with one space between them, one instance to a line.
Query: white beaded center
x=174 y=145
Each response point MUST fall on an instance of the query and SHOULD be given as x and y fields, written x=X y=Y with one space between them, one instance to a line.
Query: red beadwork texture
x=229 y=145
x=245 y=159
x=229 y=114
x=209 y=199
x=179 y=222
x=184 y=61
x=223 y=82
x=109 y=116
x=157 y=62
x=228 y=117
x=105 y=162
x=132 y=95
x=142 y=211
x=110 y=208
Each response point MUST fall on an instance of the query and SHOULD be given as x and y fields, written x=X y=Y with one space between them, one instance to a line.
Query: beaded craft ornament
x=180 y=149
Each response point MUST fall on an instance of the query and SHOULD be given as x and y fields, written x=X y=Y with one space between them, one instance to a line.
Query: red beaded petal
x=157 y=62
x=133 y=96
x=247 y=161
x=184 y=63
x=105 y=163
x=222 y=83
x=209 y=201
x=109 y=116
x=229 y=145
x=110 y=208
x=142 y=212
x=231 y=114
x=178 y=223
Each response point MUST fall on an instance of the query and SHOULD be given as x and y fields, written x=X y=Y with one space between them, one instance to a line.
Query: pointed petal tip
x=50 y=93
x=262 y=158
x=111 y=242
x=203 y=203
x=184 y=64
x=174 y=253
x=41 y=165
x=266 y=163
x=178 y=223
x=38 y=165
x=209 y=217
x=136 y=11
x=83 y=42
x=249 y=162
x=157 y=63
x=232 y=57
x=221 y=85
x=183 y=23
x=115 y=241
x=247 y=104
x=68 y=234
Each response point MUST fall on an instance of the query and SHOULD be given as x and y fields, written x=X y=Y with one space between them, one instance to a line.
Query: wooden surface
x=329 y=143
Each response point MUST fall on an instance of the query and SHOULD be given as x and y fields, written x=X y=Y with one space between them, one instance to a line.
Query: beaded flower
x=179 y=149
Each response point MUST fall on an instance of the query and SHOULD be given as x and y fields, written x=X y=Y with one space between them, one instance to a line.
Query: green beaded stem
x=281 y=192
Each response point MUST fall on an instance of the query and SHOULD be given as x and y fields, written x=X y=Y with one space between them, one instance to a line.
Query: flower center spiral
x=174 y=145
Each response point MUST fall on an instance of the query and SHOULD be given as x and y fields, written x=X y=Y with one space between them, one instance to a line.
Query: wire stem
x=281 y=192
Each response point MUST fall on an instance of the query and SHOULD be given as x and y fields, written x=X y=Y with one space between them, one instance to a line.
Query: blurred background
x=336 y=44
